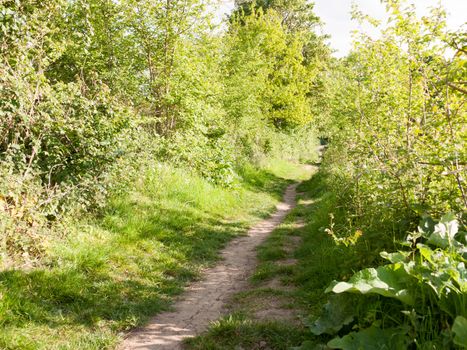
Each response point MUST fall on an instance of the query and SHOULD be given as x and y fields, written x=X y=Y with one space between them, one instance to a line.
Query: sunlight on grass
x=238 y=332
x=111 y=273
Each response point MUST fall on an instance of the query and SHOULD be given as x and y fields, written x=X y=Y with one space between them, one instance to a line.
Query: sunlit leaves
x=388 y=280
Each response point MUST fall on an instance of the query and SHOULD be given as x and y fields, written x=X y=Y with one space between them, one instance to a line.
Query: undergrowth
x=319 y=261
x=110 y=273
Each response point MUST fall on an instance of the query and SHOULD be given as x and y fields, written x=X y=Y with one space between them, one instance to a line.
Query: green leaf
x=389 y=281
x=459 y=328
x=427 y=225
x=395 y=257
x=444 y=232
x=309 y=345
x=372 y=338
x=338 y=312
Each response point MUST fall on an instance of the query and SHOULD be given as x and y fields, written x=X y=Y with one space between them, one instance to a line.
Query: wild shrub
x=93 y=92
x=55 y=138
x=396 y=120
x=429 y=282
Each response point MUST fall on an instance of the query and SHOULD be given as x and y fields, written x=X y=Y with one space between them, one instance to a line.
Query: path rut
x=205 y=301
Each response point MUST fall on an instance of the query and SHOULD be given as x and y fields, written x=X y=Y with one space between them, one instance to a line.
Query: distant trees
x=94 y=88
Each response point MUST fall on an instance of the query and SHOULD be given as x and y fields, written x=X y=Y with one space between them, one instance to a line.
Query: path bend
x=204 y=301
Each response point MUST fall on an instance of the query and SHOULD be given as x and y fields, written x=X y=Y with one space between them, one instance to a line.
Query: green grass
x=320 y=261
x=111 y=273
x=286 y=170
x=238 y=331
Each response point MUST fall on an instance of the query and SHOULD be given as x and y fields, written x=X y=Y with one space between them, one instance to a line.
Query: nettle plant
x=420 y=297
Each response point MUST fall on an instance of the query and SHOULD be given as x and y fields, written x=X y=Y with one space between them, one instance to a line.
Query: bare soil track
x=205 y=301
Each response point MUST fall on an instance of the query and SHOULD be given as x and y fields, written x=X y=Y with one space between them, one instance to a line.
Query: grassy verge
x=318 y=262
x=239 y=331
x=111 y=273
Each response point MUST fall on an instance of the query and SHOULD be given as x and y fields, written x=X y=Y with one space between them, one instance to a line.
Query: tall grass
x=110 y=273
x=319 y=261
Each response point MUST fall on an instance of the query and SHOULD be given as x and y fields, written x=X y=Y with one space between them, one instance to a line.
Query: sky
x=336 y=17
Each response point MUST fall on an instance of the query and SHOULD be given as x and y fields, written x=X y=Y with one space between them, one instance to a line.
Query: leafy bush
x=396 y=126
x=57 y=139
x=212 y=156
x=429 y=281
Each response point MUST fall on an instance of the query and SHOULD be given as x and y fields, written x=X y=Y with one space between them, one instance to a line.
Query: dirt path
x=204 y=301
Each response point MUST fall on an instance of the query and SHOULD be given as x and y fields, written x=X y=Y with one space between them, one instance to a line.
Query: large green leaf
x=459 y=328
x=372 y=338
x=339 y=311
x=427 y=225
x=444 y=232
x=389 y=280
x=309 y=345
x=443 y=271
x=395 y=257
